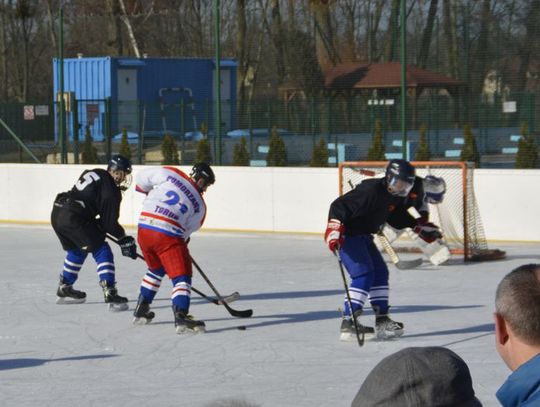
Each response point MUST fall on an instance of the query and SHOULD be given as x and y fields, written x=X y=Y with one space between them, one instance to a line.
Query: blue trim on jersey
x=160 y=230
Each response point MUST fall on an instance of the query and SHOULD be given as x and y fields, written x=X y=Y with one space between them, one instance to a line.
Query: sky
x=288 y=355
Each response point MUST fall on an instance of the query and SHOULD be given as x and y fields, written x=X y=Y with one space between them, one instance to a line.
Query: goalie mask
x=120 y=169
x=400 y=176
x=434 y=188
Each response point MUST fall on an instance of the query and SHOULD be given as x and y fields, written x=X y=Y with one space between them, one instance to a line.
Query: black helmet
x=120 y=163
x=400 y=175
x=203 y=170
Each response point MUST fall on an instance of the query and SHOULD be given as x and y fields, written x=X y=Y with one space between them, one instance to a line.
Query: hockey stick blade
x=408 y=264
x=235 y=313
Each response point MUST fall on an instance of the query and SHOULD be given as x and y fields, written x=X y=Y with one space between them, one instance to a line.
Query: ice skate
x=142 y=314
x=348 y=331
x=115 y=301
x=387 y=328
x=66 y=294
x=186 y=324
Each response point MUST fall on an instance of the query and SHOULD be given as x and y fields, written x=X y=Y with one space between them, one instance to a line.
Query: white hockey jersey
x=173 y=204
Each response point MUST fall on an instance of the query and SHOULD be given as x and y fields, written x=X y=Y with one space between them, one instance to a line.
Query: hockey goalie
x=413 y=219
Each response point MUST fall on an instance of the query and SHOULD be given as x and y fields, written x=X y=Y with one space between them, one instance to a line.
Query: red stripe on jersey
x=164 y=219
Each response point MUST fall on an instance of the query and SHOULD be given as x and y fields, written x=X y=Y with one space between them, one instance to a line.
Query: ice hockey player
x=173 y=209
x=81 y=219
x=352 y=219
x=414 y=214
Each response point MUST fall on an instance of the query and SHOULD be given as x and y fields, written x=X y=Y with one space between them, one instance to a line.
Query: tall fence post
x=108 y=128
x=75 y=128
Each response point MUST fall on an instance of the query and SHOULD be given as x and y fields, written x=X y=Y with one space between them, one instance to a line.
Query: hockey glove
x=428 y=231
x=128 y=247
x=334 y=234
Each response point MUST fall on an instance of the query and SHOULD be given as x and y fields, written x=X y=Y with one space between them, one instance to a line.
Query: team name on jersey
x=178 y=184
x=165 y=212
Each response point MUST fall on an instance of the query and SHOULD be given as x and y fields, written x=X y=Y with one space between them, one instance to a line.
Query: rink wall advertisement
x=260 y=199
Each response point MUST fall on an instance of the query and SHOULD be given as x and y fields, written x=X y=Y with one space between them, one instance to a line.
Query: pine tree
x=320 y=154
x=422 y=152
x=169 y=151
x=125 y=150
x=376 y=150
x=203 y=151
x=240 y=154
x=277 y=154
x=527 y=153
x=469 y=151
x=89 y=153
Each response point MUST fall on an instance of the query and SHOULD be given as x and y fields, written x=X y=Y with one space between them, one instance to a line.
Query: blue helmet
x=400 y=176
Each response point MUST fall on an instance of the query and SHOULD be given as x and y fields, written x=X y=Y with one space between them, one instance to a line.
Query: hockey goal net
x=458 y=215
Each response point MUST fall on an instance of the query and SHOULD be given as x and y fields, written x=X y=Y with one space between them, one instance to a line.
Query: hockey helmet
x=400 y=176
x=120 y=169
x=434 y=188
x=203 y=171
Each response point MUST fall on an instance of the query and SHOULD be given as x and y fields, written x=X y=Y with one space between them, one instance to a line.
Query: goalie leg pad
x=437 y=251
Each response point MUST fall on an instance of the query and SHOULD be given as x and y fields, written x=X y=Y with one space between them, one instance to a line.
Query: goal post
x=458 y=215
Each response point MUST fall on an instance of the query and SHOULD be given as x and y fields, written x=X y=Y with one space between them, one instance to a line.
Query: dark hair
x=518 y=301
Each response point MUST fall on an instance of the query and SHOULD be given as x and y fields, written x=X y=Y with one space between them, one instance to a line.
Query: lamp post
x=62 y=107
x=403 y=60
x=217 y=81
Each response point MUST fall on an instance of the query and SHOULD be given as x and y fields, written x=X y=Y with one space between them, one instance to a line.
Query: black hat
x=418 y=377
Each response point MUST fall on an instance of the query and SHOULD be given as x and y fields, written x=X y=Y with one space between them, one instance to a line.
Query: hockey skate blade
x=183 y=330
x=68 y=300
x=388 y=336
x=351 y=336
x=118 y=307
x=143 y=320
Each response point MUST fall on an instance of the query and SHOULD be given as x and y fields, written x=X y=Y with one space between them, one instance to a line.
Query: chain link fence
x=344 y=122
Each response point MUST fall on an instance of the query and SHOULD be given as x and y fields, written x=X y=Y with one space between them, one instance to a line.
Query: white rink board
x=273 y=199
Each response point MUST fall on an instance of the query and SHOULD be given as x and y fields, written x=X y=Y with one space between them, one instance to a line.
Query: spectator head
x=517 y=315
x=424 y=376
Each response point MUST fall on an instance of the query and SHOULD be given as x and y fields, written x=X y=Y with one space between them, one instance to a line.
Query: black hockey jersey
x=366 y=208
x=400 y=217
x=98 y=195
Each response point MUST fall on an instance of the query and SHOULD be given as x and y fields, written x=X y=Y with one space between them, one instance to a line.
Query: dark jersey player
x=352 y=220
x=81 y=218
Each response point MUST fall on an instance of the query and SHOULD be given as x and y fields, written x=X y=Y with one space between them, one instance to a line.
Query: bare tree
x=427 y=34
x=327 y=53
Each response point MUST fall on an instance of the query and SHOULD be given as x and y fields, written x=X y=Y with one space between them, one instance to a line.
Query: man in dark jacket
x=517 y=335
x=352 y=220
x=81 y=218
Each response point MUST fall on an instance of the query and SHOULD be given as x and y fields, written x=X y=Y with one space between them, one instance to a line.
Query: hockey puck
x=241 y=328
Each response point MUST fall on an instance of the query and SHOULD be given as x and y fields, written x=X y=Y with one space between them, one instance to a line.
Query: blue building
x=154 y=95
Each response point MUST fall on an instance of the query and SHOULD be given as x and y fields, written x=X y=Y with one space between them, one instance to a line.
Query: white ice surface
x=289 y=355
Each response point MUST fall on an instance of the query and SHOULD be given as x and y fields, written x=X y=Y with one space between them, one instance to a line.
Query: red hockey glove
x=428 y=231
x=334 y=234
